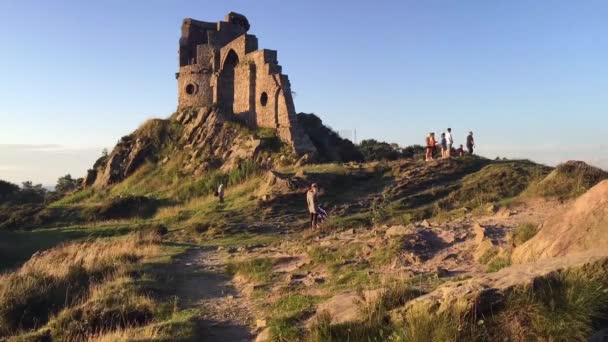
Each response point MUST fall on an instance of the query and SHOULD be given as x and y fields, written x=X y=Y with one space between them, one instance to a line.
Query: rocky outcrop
x=329 y=145
x=211 y=141
x=129 y=154
x=581 y=227
x=483 y=292
x=196 y=140
x=276 y=184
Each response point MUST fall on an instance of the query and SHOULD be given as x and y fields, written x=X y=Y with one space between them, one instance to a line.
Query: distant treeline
x=380 y=150
x=30 y=193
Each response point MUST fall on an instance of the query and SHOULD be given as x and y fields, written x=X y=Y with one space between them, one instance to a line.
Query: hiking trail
x=225 y=313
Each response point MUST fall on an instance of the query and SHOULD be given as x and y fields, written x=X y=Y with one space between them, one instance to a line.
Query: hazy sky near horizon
x=529 y=77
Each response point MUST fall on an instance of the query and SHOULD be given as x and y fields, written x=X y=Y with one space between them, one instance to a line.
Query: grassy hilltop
x=125 y=261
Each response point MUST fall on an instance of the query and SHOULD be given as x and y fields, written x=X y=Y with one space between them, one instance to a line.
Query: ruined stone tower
x=220 y=64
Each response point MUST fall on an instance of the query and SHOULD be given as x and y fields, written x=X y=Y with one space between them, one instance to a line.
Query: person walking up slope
x=311 y=201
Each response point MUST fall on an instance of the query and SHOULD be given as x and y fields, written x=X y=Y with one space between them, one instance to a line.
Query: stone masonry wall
x=229 y=71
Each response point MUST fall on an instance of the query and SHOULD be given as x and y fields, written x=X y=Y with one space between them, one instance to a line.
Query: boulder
x=398 y=231
x=264 y=336
x=582 y=226
x=343 y=307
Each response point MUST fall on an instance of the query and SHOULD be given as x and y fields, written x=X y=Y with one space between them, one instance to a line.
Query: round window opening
x=190 y=89
x=264 y=99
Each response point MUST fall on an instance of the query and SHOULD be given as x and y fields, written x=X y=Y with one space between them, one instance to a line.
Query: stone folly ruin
x=224 y=81
x=221 y=66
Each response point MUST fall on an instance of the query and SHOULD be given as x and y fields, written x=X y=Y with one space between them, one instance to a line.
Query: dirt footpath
x=225 y=314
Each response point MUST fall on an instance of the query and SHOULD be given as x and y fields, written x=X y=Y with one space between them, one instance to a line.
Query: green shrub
x=497 y=263
x=19 y=216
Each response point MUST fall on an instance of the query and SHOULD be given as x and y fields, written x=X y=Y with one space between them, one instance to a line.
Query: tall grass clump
x=116 y=304
x=561 y=306
x=524 y=232
x=259 y=270
x=63 y=276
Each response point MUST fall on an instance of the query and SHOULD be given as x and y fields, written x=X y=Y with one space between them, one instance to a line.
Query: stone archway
x=227 y=81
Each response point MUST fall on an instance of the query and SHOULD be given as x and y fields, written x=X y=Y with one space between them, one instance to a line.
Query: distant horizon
x=79 y=158
x=528 y=78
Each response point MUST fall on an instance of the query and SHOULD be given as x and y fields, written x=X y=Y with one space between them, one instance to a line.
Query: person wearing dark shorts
x=444 y=146
x=470 y=142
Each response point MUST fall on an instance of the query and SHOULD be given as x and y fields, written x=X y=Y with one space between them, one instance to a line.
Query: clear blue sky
x=529 y=77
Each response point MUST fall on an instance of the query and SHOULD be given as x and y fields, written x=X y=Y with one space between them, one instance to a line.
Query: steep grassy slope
x=261 y=208
x=85 y=290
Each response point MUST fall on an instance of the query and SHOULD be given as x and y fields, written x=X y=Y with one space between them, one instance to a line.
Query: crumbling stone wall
x=221 y=65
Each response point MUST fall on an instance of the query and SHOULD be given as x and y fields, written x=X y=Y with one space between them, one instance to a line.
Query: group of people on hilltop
x=446 y=143
x=318 y=215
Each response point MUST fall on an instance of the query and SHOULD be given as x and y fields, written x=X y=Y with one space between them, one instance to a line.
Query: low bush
x=122 y=208
x=18 y=216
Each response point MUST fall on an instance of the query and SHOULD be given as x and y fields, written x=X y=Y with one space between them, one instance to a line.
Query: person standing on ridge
x=450 y=142
x=444 y=146
x=470 y=142
x=311 y=201
x=220 y=192
x=430 y=146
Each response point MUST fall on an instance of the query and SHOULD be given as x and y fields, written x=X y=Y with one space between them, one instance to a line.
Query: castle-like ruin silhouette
x=220 y=65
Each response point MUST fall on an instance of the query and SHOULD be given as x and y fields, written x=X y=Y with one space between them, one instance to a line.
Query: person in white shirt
x=311 y=203
x=450 y=141
x=220 y=192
